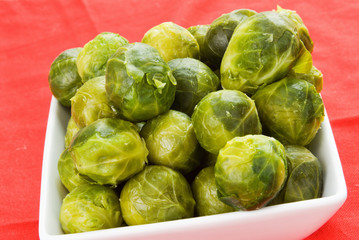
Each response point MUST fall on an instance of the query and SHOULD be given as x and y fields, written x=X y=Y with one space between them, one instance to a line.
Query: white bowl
x=286 y=221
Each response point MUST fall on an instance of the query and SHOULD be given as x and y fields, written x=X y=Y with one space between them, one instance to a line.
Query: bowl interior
x=286 y=221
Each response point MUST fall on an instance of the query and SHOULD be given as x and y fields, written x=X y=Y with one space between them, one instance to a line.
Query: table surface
x=33 y=33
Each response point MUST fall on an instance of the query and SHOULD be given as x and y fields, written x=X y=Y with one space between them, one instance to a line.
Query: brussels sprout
x=90 y=207
x=68 y=173
x=63 y=77
x=220 y=32
x=222 y=115
x=314 y=76
x=71 y=130
x=194 y=81
x=172 y=41
x=305 y=176
x=199 y=33
x=91 y=103
x=171 y=141
x=109 y=151
x=139 y=82
x=250 y=171
x=156 y=194
x=204 y=190
x=92 y=60
x=291 y=110
x=262 y=50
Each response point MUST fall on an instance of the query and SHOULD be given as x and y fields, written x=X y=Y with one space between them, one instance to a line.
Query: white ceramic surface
x=287 y=221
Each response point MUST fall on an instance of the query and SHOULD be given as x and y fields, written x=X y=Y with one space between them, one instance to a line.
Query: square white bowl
x=286 y=221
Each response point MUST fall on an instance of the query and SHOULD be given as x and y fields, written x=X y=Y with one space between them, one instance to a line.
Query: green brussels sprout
x=194 y=81
x=171 y=141
x=68 y=173
x=262 y=50
x=63 y=77
x=156 y=194
x=204 y=190
x=305 y=176
x=90 y=207
x=220 y=32
x=199 y=33
x=139 y=82
x=291 y=110
x=222 y=115
x=172 y=41
x=71 y=131
x=92 y=60
x=109 y=151
x=91 y=103
x=250 y=171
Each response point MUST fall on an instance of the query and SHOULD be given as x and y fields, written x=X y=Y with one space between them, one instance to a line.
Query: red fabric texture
x=33 y=33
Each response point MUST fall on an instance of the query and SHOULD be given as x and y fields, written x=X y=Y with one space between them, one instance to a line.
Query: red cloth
x=33 y=33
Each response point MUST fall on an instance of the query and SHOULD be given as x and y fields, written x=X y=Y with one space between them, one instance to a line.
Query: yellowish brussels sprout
x=291 y=110
x=91 y=103
x=204 y=190
x=172 y=41
x=250 y=171
x=139 y=82
x=71 y=131
x=222 y=115
x=171 y=141
x=68 y=173
x=91 y=62
x=63 y=77
x=156 y=194
x=314 y=76
x=109 y=151
x=90 y=207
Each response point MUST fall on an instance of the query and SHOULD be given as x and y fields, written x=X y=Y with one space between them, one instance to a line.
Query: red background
x=33 y=33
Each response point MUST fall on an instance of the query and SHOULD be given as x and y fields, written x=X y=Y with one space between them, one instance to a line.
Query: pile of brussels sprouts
x=189 y=122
